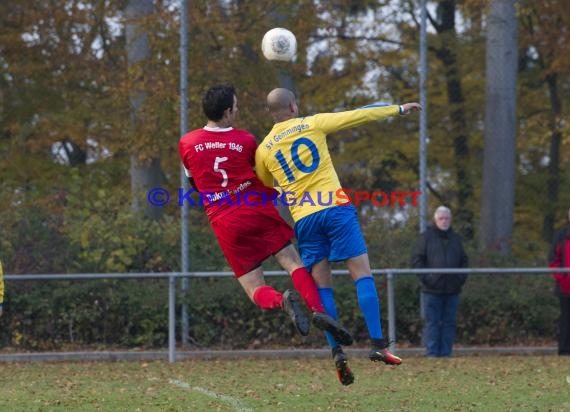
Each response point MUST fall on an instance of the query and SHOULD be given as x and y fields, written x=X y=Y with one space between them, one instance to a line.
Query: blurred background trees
x=89 y=121
x=89 y=114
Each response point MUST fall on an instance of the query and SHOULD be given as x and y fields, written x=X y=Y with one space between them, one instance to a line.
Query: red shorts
x=250 y=234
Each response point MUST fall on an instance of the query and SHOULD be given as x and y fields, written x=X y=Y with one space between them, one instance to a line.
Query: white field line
x=228 y=399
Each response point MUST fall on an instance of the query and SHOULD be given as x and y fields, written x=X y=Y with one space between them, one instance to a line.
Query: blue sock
x=326 y=295
x=369 y=305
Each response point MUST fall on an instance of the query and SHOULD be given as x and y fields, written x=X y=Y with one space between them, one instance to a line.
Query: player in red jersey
x=219 y=163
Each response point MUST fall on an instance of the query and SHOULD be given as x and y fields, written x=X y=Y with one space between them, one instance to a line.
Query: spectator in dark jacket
x=440 y=247
x=560 y=258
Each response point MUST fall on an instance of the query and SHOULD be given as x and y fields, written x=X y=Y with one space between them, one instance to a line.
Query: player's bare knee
x=251 y=281
x=289 y=259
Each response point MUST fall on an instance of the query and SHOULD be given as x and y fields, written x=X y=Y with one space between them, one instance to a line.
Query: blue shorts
x=332 y=234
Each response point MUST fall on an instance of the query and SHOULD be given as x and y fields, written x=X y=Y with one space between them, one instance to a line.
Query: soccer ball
x=279 y=44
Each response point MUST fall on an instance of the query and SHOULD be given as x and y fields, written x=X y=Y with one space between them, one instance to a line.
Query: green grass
x=501 y=383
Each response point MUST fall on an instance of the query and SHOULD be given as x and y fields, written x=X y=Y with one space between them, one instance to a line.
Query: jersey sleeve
x=182 y=151
x=261 y=170
x=252 y=147
x=332 y=122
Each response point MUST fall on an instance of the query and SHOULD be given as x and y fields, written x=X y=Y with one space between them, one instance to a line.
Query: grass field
x=489 y=383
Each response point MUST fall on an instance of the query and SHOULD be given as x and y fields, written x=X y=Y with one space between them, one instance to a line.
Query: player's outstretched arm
x=408 y=108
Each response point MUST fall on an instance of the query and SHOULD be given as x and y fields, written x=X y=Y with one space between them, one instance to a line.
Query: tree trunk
x=144 y=177
x=553 y=185
x=499 y=165
x=447 y=54
x=145 y=170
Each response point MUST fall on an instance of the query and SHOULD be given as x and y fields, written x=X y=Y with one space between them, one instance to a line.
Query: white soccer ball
x=279 y=44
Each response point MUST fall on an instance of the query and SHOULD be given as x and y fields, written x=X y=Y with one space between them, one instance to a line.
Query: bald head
x=281 y=104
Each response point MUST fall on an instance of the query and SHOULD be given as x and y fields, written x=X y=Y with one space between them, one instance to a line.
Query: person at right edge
x=439 y=247
x=560 y=258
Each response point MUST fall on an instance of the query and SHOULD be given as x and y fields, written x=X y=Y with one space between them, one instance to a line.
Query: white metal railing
x=172 y=276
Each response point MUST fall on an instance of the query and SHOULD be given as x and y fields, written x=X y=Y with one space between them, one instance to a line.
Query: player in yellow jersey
x=295 y=154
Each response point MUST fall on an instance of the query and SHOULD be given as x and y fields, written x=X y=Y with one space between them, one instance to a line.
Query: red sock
x=307 y=288
x=267 y=297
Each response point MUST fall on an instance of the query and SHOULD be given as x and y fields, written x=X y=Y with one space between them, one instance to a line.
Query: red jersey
x=221 y=161
x=562 y=260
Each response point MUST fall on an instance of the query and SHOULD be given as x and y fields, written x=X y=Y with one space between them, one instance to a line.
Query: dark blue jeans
x=439 y=312
x=564 y=326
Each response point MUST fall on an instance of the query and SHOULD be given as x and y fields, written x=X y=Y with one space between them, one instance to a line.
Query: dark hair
x=217 y=99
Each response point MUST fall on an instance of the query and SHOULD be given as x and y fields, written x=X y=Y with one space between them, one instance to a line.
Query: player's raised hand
x=408 y=108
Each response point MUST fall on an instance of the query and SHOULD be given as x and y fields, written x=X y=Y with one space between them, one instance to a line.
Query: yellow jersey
x=296 y=155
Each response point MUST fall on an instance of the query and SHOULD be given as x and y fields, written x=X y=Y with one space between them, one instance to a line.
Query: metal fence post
x=171 y=319
x=391 y=310
x=184 y=210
